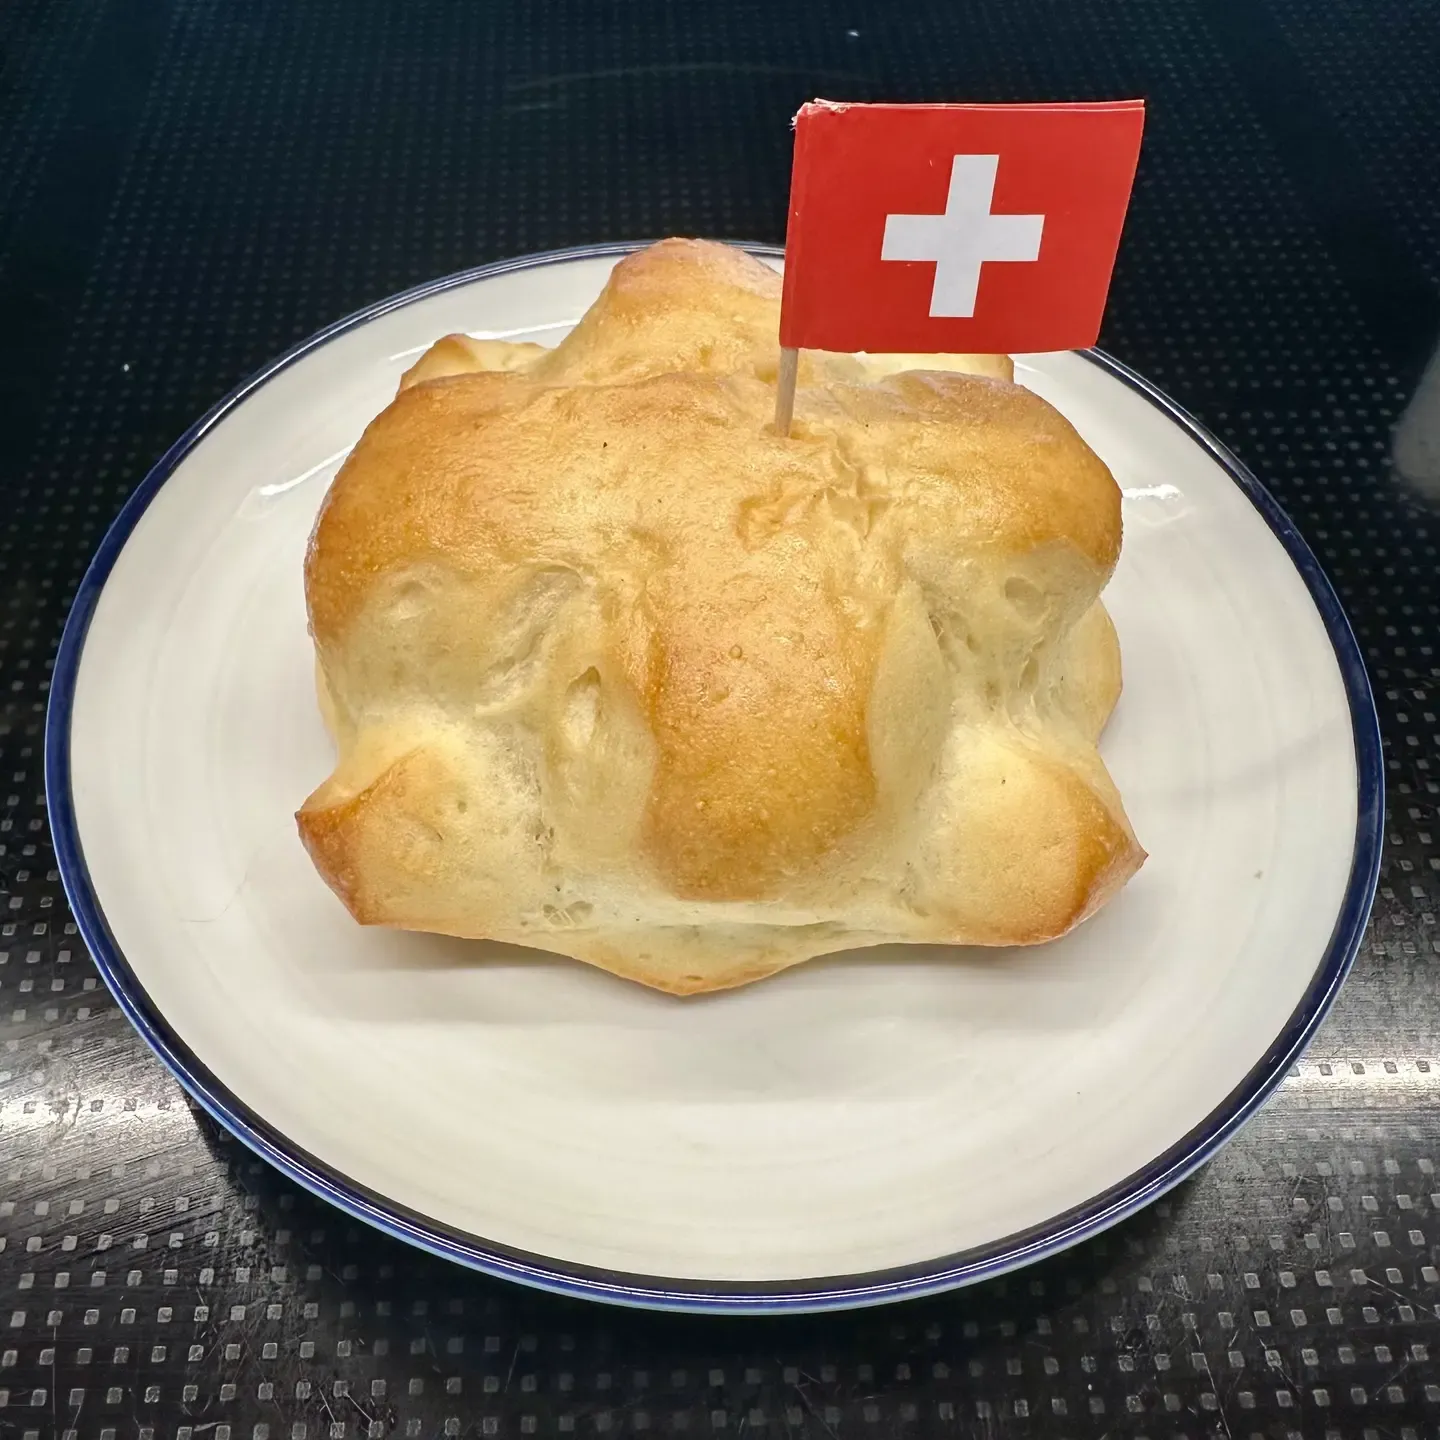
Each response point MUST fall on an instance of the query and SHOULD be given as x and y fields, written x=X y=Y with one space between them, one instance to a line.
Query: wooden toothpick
x=785 y=389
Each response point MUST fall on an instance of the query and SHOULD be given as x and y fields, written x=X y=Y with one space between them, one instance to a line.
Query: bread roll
x=615 y=671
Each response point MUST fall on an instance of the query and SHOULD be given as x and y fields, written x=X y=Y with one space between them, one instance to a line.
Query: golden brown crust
x=617 y=671
x=464 y=355
x=686 y=305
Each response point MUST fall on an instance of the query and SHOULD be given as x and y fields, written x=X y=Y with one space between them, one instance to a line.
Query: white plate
x=854 y=1130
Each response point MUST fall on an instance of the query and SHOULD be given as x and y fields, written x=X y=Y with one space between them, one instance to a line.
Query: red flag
x=968 y=229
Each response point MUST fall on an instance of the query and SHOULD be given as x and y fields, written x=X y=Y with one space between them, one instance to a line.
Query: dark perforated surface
x=187 y=187
x=37 y=50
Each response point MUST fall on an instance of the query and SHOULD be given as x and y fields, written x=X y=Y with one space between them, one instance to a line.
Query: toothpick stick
x=785 y=389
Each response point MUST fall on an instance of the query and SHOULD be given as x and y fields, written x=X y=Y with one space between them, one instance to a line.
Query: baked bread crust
x=616 y=671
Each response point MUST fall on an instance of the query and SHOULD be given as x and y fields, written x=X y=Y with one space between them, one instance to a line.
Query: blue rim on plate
x=758 y=1297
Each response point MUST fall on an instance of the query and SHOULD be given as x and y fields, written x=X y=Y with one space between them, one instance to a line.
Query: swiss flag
x=967 y=229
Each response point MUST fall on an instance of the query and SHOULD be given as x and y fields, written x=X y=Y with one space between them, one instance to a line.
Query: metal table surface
x=189 y=186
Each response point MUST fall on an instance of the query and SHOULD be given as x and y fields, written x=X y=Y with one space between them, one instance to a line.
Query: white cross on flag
x=955 y=228
x=961 y=240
